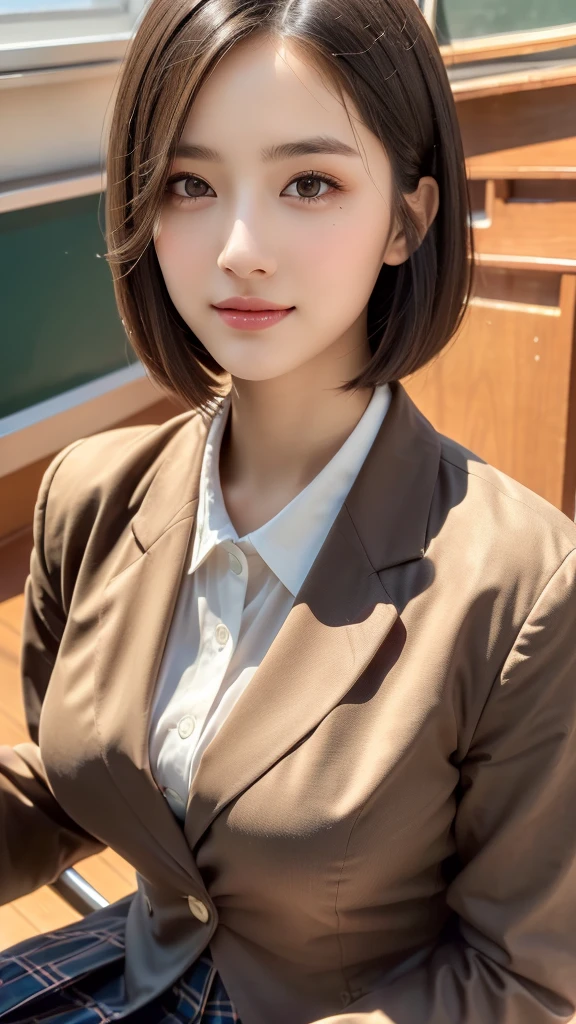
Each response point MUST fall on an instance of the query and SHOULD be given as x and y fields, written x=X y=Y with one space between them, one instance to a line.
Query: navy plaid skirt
x=74 y=975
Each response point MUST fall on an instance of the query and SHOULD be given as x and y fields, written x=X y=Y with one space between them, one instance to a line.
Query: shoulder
x=104 y=477
x=95 y=465
x=504 y=526
x=472 y=500
x=96 y=460
x=497 y=488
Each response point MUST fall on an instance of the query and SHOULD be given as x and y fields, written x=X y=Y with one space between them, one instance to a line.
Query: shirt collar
x=290 y=541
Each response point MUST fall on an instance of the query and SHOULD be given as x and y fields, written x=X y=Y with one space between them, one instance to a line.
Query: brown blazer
x=384 y=830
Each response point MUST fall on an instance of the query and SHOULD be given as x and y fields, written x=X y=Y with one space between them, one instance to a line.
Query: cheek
x=343 y=257
x=181 y=255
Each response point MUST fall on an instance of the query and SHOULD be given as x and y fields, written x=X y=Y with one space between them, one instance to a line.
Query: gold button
x=199 y=909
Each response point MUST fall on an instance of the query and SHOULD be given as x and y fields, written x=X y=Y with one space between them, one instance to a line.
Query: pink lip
x=248 y=304
x=252 y=320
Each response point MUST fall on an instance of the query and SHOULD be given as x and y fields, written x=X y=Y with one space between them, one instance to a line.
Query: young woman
x=306 y=664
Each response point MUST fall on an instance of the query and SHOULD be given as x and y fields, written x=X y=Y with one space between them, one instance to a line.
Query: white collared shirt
x=235 y=596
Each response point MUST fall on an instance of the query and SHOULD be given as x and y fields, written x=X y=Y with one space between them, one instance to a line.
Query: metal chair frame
x=73 y=888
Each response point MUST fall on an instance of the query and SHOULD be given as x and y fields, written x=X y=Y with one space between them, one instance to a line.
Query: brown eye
x=313 y=187
x=194 y=187
x=308 y=188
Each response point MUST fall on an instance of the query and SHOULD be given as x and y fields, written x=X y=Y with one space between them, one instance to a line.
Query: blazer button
x=199 y=909
x=148 y=906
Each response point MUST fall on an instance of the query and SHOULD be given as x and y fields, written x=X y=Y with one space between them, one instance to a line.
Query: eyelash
x=314 y=175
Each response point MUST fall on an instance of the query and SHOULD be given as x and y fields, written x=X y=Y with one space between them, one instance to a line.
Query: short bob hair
x=379 y=53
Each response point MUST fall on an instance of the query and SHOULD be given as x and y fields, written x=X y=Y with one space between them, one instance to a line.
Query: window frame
x=60 y=39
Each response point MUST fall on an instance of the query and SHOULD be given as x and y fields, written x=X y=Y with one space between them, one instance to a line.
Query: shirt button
x=186 y=726
x=171 y=794
x=222 y=634
x=235 y=563
x=199 y=909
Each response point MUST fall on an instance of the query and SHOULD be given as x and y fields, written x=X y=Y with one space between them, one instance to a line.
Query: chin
x=256 y=373
x=255 y=359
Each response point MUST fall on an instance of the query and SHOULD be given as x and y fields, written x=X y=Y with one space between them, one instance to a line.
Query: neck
x=282 y=432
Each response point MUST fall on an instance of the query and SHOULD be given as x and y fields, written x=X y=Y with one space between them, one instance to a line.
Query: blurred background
x=505 y=387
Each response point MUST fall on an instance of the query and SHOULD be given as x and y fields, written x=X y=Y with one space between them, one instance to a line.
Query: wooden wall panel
x=532 y=221
x=502 y=387
x=520 y=134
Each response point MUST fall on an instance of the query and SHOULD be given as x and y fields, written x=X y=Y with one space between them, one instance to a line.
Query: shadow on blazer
x=383 y=829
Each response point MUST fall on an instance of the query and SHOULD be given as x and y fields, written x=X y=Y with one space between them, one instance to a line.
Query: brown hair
x=382 y=54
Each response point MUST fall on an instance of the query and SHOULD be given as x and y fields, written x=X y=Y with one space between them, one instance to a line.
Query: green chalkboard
x=466 y=19
x=59 y=324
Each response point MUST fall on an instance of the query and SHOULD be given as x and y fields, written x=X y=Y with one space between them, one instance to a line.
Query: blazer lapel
x=339 y=620
x=135 y=617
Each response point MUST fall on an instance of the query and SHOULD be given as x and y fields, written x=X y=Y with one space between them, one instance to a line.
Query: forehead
x=264 y=88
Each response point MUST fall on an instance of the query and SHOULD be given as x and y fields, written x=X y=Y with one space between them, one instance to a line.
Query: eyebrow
x=303 y=147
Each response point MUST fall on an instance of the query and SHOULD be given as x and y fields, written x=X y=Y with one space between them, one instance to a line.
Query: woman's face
x=304 y=229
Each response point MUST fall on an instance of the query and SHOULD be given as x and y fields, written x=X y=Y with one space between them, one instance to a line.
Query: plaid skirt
x=74 y=975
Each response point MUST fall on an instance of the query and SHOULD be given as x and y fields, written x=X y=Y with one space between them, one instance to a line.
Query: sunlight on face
x=242 y=225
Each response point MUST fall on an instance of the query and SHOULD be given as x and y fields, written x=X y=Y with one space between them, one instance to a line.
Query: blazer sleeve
x=38 y=840
x=512 y=956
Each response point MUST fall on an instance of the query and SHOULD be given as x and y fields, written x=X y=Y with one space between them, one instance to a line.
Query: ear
x=424 y=204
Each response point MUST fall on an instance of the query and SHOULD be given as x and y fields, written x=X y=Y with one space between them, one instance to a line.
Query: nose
x=244 y=254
